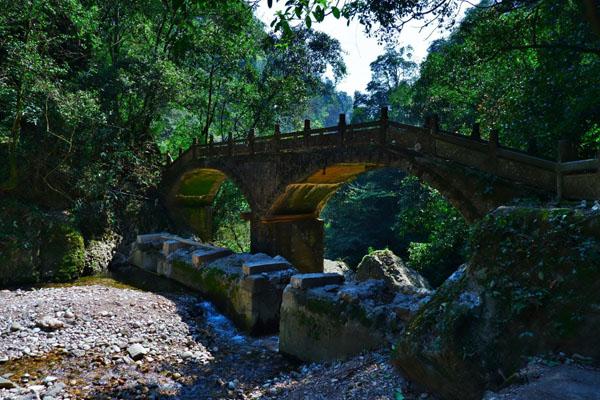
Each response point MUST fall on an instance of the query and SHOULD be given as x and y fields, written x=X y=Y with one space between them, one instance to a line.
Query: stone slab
x=307 y=281
x=169 y=246
x=208 y=254
x=150 y=237
x=258 y=267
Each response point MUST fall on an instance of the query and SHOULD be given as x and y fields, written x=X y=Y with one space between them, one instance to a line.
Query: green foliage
x=91 y=93
x=535 y=85
x=230 y=230
x=386 y=209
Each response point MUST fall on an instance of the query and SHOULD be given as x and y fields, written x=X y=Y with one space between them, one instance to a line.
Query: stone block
x=307 y=281
x=151 y=237
x=255 y=283
x=267 y=265
x=207 y=254
x=315 y=326
x=169 y=246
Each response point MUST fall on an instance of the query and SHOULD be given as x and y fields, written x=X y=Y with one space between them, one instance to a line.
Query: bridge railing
x=385 y=133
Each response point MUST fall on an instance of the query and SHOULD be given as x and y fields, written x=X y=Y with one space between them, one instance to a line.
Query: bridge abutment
x=299 y=239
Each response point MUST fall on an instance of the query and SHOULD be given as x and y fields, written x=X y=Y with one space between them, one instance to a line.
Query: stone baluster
x=306 y=132
x=195 y=148
x=434 y=126
x=211 y=144
x=251 y=136
x=230 y=144
x=383 y=132
x=277 y=137
x=476 y=131
x=494 y=141
x=562 y=156
x=341 y=129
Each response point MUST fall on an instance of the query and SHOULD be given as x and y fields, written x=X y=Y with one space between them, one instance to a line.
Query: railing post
x=251 y=140
x=561 y=157
x=494 y=141
x=435 y=124
x=230 y=144
x=341 y=129
x=211 y=142
x=277 y=137
x=195 y=148
x=306 y=131
x=180 y=152
x=532 y=147
x=476 y=131
x=168 y=158
x=384 y=126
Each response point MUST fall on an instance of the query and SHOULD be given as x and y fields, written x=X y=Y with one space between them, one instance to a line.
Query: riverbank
x=103 y=339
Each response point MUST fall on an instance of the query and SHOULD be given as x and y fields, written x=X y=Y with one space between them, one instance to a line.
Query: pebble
x=15 y=327
x=6 y=384
x=49 y=323
x=50 y=379
x=137 y=351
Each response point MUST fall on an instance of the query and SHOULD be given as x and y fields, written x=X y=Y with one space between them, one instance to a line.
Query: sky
x=360 y=50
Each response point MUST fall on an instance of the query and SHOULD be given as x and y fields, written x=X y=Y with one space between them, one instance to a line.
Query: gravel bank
x=112 y=342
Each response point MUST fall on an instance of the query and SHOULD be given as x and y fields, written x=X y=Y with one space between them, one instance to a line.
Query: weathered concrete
x=324 y=319
x=251 y=301
x=260 y=266
x=287 y=179
x=307 y=281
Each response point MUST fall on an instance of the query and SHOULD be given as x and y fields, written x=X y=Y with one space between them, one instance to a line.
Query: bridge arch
x=190 y=197
x=308 y=196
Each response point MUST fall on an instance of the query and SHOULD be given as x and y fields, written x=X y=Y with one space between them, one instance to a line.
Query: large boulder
x=532 y=285
x=385 y=265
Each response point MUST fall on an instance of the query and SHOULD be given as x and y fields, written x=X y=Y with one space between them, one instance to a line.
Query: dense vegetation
x=94 y=95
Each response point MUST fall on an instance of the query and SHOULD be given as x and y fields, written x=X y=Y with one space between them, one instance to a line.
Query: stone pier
x=299 y=239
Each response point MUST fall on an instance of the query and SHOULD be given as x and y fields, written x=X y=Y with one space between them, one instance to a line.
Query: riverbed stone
x=137 y=351
x=49 y=323
x=6 y=384
x=540 y=381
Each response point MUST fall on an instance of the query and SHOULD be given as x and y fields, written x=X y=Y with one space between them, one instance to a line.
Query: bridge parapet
x=472 y=151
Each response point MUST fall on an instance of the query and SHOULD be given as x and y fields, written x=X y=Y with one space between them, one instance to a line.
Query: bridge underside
x=287 y=182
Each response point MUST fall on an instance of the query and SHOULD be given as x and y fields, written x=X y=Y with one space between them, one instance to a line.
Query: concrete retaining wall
x=247 y=288
x=324 y=319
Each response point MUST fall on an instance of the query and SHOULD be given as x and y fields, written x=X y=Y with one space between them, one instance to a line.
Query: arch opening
x=386 y=208
x=211 y=205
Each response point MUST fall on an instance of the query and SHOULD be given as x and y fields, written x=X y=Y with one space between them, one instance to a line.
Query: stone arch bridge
x=287 y=178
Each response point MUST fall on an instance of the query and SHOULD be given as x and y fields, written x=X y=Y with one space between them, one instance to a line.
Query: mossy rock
x=532 y=286
x=62 y=254
x=37 y=247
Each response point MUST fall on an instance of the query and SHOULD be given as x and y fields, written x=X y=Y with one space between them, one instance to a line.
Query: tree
x=392 y=77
